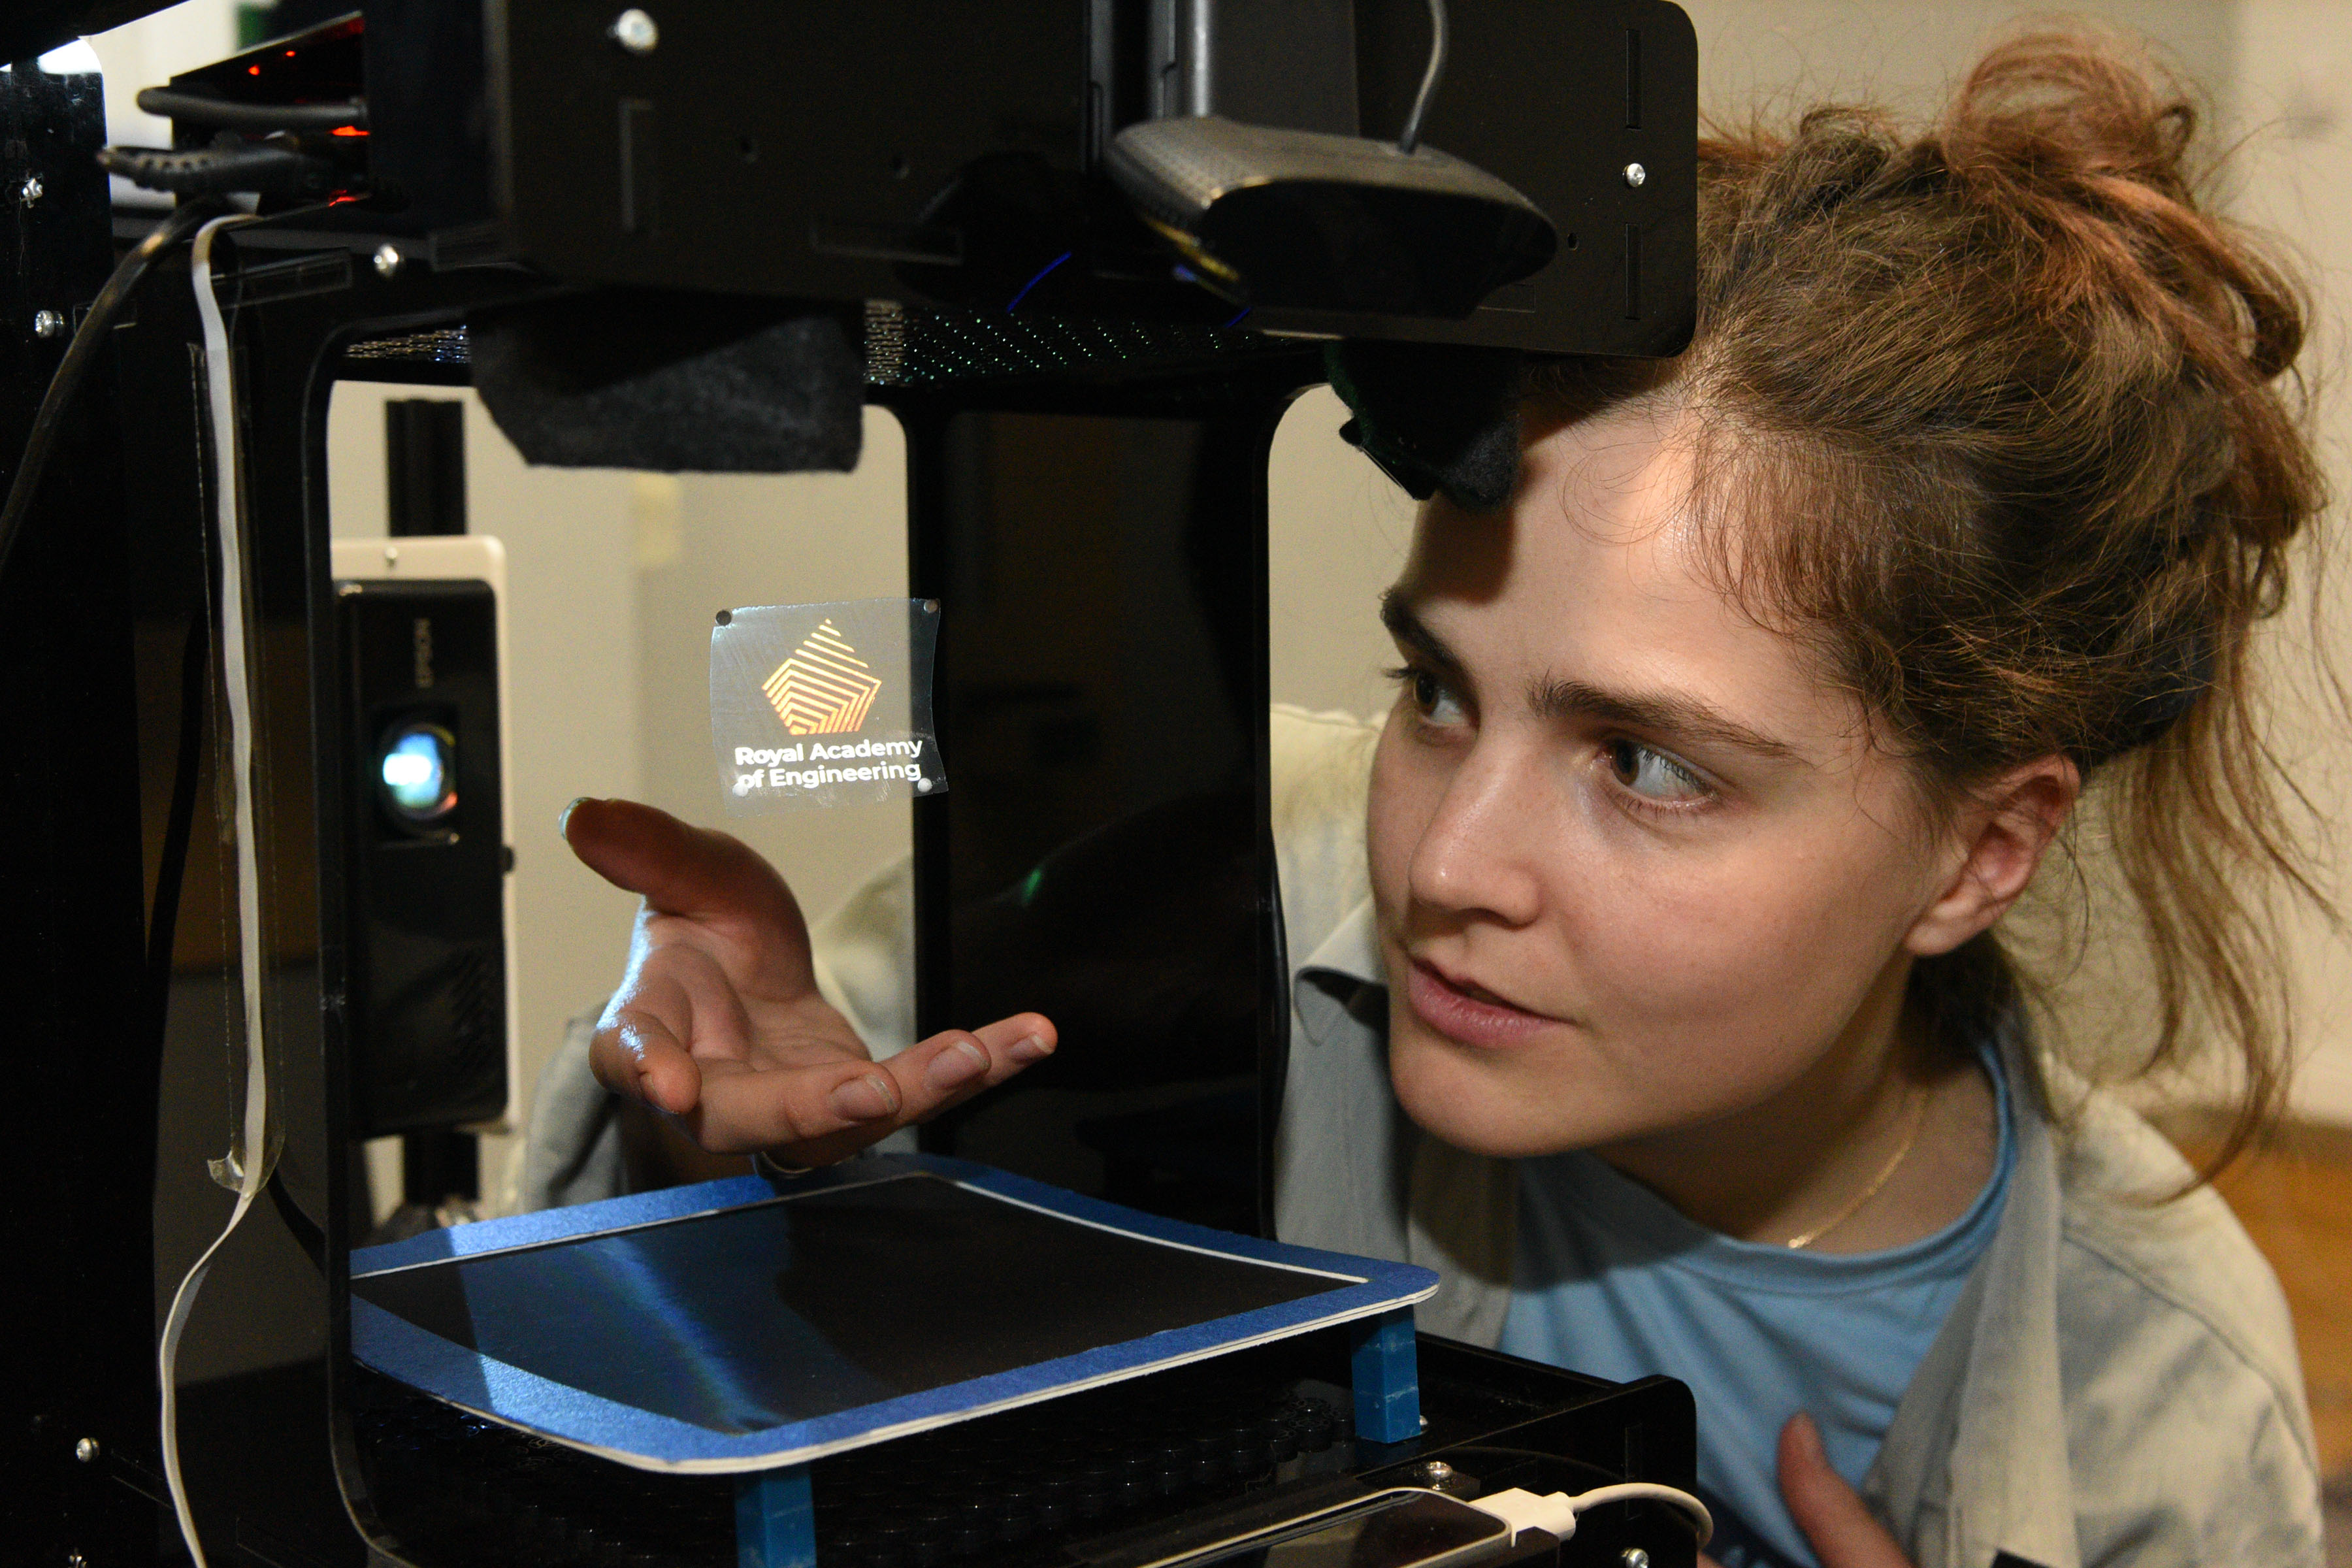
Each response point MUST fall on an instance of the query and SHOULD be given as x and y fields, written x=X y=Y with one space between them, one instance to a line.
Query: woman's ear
x=2002 y=836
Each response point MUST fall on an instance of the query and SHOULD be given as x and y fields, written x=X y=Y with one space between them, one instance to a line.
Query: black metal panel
x=79 y=1117
x=428 y=115
x=941 y=154
x=1102 y=854
x=814 y=173
x=944 y=151
x=1561 y=99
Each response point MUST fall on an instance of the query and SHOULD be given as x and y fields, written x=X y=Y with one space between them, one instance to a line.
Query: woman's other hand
x=718 y=1022
x=1843 y=1531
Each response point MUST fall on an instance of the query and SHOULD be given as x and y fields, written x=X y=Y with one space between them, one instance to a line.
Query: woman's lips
x=1454 y=1012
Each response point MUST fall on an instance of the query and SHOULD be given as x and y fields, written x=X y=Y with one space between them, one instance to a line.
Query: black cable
x=1411 y=138
x=196 y=109
x=164 y=916
x=128 y=273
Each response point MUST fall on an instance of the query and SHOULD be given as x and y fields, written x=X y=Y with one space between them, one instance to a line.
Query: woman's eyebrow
x=1411 y=631
x=1658 y=712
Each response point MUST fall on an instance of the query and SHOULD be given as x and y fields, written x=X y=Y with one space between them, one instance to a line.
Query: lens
x=418 y=768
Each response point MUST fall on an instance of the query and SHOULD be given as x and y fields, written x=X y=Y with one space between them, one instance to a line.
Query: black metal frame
x=113 y=684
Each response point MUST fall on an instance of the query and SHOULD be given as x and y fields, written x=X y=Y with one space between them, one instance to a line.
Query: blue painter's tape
x=775 y=1521
x=1387 y=1367
x=1359 y=1289
x=545 y=1226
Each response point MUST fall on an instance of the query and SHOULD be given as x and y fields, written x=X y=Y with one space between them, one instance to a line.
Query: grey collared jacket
x=2117 y=1385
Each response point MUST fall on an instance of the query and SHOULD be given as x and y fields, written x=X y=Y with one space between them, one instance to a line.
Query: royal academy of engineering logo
x=824 y=689
x=854 y=697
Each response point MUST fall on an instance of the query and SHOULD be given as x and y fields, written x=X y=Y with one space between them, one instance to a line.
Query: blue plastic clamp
x=1387 y=1368
x=775 y=1521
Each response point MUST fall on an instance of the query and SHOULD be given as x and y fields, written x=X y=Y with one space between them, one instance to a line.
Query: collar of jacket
x=1975 y=1462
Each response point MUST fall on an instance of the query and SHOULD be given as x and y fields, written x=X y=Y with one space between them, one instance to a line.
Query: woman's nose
x=1477 y=854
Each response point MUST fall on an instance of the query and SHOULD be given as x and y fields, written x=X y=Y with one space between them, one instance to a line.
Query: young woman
x=1665 y=903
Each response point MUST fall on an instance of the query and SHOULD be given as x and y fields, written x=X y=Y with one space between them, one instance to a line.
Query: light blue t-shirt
x=1611 y=1279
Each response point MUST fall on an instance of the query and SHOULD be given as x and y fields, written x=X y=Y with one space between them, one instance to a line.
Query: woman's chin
x=1482 y=1104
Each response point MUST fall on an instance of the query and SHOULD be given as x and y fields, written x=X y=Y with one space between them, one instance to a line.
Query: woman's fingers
x=1833 y=1515
x=817 y=1112
x=956 y=1064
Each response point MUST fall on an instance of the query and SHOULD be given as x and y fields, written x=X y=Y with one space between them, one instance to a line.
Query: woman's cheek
x=1689 y=1001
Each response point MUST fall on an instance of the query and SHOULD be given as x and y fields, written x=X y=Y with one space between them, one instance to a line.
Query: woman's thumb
x=1832 y=1514
x=680 y=870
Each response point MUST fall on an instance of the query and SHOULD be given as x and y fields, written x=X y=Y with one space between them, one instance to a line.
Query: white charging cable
x=252 y=1153
x=1557 y=1513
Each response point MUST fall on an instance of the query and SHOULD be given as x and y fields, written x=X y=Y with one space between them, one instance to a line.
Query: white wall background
x=615 y=576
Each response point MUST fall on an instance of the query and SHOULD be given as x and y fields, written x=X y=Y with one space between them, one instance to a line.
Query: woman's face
x=1636 y=864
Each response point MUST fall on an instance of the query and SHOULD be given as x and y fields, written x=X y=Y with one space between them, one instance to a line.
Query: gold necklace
x=1919 y=1120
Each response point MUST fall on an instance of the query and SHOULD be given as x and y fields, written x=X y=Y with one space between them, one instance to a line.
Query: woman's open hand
x=718 y=1022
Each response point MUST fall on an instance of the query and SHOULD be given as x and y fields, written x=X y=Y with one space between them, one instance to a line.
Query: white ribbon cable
x=252 y=1154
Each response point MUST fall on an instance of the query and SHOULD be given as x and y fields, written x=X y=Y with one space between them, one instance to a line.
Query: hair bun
x=2090 y=149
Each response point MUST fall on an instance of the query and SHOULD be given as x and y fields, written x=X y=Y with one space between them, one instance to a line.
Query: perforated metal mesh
x=445 y=346
x=919 y=348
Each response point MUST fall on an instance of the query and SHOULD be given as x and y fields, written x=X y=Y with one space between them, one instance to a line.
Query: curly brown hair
x=2005 y=425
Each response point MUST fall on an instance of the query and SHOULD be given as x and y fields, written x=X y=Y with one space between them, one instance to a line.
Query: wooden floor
x=2298 y=1207
x=2296 y=1202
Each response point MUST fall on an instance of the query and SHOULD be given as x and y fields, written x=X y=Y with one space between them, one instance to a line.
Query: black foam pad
x=674 y=383
x=1433 y=416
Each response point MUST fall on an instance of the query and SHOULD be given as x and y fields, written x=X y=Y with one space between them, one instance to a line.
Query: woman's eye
x=1437 y=705
x=1653 y=775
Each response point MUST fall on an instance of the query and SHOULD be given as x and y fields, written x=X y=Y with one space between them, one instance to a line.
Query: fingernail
x=960 y=1063
x=1030 y=1048
x=864 y=1099
x=1809 y=1435
x=563 y=817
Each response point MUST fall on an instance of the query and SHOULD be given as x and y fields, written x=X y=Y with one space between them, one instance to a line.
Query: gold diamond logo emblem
x=824 y=688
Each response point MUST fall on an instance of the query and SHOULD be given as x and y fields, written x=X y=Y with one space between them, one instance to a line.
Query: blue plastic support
x=775 y=1522
x=1387 y=1370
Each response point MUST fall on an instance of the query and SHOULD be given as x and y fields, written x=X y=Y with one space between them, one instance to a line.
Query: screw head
x=48 y=323
x=634 y=31
x=1634 y=1557
x=86 y=1451
x=389 y=261
x=1433 y=1472
x=1636 y=175
x=30 y=191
